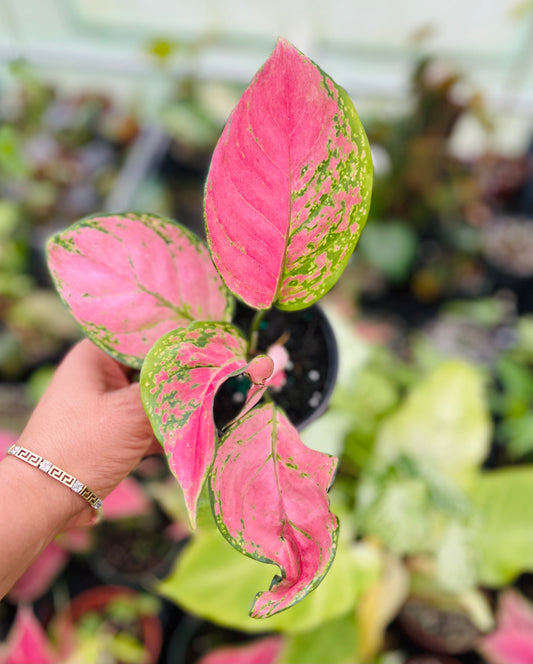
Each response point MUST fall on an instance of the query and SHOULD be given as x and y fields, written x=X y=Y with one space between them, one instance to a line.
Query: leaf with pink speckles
x=179 y=380
x=289 y=186
x=129 y=278
x=269 y=498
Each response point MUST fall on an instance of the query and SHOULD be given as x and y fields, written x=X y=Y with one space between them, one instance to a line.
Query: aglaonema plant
x=286 y=198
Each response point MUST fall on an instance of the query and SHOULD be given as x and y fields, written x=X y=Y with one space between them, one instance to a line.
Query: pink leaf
x=127 y=499
x=130 y=278
x=264 y=371
x=280 y=357
x=259 y=651
x=76 y=540
x=288 y=190
x=269 y=495
x=512 y=640
x=27 y=641
x=179 y=380
x=515 y=612
x=260 y=369
x=39 y=576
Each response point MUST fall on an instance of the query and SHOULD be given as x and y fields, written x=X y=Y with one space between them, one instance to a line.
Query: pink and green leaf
x=179 y=380
x=289 y=187
x=269 y=498
x=512 y=640
x=130 y=278
x=27 y=641
x=259 y=651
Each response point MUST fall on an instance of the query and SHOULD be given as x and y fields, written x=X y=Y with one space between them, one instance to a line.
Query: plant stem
x=254 y=330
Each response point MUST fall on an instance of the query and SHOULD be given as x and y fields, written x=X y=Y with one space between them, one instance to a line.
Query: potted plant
x=286 y=198
x=104 y=623
x=111 y=622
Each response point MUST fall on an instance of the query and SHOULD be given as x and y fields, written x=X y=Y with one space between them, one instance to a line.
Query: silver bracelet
x=57 y=474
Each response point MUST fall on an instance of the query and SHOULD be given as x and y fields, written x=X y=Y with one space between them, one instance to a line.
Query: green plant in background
x=428 y=202
x=424 y=522
x=59 y=155
x=111 y=633
x=433 y=429
x=513 y=394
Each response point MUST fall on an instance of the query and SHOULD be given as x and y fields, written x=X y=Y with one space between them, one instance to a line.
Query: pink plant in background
x=287 y=196
x=512 y=640
x=27 y=641
x=260 y=651
x=127 y=499
x=38 y=578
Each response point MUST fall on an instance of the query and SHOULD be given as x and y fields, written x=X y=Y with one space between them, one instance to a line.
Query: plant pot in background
x=147 y=626
x=310 y=374
x=135 y=551
x=437 y=629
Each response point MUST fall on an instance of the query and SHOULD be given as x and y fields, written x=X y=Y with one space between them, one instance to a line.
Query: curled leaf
x=269 y=498
x=179 y=380
x=260 y=369
x=289 y=186
x=129 y=278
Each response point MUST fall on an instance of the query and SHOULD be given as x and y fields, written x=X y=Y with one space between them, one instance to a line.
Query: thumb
x=127 y=403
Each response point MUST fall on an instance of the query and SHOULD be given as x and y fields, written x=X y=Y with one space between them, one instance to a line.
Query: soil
x=436 y=629
x=129 y=550
x=310 y=374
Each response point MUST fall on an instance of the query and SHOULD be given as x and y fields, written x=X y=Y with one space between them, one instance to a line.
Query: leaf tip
x=191 y=505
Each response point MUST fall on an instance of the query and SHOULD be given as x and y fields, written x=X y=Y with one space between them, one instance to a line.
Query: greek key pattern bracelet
x=57 y=474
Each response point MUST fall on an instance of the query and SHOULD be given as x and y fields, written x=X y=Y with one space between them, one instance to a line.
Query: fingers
x=155 y=447
x=88 y=367
x=127 y=406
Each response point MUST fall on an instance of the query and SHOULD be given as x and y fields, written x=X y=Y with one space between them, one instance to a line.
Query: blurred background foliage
x=113 y=106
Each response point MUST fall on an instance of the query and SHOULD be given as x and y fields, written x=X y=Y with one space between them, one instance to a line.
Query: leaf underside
x=289 y=186
x=130 y=278
x=269 y=498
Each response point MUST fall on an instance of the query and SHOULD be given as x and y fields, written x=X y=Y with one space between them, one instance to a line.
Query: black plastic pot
x=145 y=627
x=310 y=375
x=134 y=551
x=437 y=629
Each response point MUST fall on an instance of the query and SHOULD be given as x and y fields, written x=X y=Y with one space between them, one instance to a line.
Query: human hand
x=90 y=422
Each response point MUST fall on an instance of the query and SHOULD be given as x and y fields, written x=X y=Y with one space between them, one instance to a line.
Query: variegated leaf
x=129 y=278
x=289 y=186
x=179 y=380
x=259 y=651
x=269 y=497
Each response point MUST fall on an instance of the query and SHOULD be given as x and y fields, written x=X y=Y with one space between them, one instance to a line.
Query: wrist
x=57 y=506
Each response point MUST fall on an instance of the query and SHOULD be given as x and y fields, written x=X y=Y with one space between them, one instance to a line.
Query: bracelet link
x=56 y=473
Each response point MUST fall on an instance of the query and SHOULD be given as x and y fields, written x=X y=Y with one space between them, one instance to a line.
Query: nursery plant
x=286 y=198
